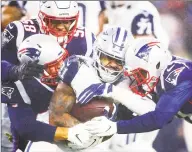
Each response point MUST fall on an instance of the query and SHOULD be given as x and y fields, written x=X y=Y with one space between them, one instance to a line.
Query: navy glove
x=99 y=89
x=25 y=71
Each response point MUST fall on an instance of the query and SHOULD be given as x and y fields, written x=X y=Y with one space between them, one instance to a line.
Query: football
x=95 y=108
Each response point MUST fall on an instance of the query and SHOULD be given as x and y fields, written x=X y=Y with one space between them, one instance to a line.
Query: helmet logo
x=143 y=52
x=33 y=53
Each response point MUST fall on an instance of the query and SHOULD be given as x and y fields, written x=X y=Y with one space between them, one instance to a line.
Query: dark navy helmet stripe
x=117 y=36
x=125 y=35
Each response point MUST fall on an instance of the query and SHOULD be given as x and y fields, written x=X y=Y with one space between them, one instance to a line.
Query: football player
x=141 y=16
x=28 y=97
x=52 y=20
x=106 y=66
x=155 y=70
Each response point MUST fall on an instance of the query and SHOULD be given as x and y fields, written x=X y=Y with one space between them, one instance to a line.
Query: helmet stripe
x=125 y=35
x=117 y=36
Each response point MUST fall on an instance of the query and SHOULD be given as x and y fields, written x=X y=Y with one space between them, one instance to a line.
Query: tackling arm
x=168 y=106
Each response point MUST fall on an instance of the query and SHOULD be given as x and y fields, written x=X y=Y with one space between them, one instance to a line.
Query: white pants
x=49 y=147
x=139 y=142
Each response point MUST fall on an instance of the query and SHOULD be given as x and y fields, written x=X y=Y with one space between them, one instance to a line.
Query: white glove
x=101 y=126
x=78 y=135
x=93 y=141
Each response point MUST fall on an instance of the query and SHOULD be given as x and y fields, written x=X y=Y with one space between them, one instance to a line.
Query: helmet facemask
x=142 y=83
x=62 y=28
x=108 y=71
x=50 y=75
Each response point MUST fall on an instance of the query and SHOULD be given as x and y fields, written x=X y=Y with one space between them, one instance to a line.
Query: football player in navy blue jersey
x=57 y=19
x=27 y=98
x=53 y=20
x=153 y=69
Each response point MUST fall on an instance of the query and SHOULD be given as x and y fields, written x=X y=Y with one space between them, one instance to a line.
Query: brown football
x=96 y=107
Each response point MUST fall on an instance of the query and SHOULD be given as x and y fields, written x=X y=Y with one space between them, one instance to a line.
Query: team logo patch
x=144 y=51
x=7 y=36
x=7 y=91
x=173 y=76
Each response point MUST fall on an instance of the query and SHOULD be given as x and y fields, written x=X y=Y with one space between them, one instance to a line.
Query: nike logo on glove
x=77 y=136
x=108 y=128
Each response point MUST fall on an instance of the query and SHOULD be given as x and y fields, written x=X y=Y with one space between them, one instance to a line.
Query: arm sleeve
x=5 y=68
x=24 y=121
x=69 y=69
x=168 y=105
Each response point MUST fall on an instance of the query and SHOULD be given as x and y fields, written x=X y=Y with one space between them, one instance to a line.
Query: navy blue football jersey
x=17 y=31
x=28 y=92
x=178 y=72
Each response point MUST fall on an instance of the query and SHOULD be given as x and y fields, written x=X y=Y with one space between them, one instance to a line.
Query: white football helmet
x=57 y=12
x=113 y=43
x=144 y=61
x=46 y=51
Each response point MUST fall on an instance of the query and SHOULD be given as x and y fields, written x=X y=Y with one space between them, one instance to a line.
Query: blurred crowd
x=176 y=18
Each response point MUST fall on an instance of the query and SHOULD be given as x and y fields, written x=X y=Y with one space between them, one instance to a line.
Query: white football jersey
x=141 y=17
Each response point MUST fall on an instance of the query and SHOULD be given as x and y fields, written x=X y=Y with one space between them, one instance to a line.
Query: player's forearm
x=24 y=121
x=148 y=122
x=65 y=120
x=133 y=102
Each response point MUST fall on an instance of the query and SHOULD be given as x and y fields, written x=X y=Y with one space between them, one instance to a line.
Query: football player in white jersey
x=141 y=16
x=156 y=71
x=109 y=50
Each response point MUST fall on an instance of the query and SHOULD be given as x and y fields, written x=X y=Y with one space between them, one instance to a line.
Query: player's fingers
x=96 y=132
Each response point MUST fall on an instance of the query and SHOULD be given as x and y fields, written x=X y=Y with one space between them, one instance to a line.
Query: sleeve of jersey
x=168 y=105
x=24 y=121
x=68 y=70
x=9 y=40
x=5 y=67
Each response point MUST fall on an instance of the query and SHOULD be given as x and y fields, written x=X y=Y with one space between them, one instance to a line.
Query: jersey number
x=143 y=25
x=79 y=33
x=29 y=26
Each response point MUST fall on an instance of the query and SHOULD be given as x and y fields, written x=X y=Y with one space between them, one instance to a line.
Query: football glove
x=101 y=126
x=25 y=71
x=78 y=135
